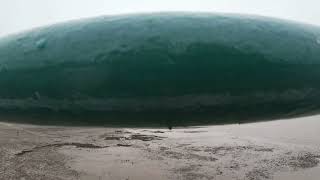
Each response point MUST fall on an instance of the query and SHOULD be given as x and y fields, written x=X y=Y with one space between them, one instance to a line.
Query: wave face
x=227 y=66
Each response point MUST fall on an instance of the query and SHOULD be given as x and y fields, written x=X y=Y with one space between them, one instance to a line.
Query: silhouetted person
x=169 y=124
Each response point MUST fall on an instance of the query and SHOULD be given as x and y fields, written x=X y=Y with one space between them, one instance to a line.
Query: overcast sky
x=18 y=15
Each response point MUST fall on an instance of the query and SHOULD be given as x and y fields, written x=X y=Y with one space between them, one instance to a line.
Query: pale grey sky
x=18 y=15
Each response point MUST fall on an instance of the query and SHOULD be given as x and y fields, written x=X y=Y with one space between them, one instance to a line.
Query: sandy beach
x=279 y=150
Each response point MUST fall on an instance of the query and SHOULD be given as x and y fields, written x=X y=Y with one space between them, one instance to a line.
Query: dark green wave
x=216 y=68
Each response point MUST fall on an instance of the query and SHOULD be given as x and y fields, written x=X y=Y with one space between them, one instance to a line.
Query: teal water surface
x=192 y=68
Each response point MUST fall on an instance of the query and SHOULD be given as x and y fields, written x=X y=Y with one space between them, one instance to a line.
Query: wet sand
x=280 y=150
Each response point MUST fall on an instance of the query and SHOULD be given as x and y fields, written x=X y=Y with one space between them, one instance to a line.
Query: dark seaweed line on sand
x=78 y=145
